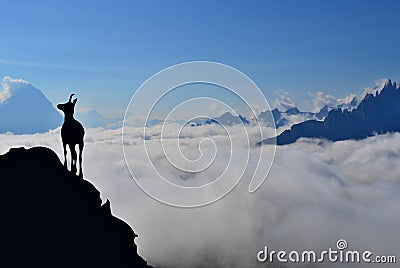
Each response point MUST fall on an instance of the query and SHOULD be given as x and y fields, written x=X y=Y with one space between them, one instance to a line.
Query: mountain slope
x=28 y=111
x=376 y=114
x=51 y=218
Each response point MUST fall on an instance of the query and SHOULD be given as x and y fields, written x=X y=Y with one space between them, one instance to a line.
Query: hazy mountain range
x=273 y=118
x=267 y=118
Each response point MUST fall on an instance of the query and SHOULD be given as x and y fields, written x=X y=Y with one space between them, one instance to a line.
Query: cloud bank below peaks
x=317 y=192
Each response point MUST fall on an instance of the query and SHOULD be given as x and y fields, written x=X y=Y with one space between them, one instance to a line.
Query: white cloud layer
x=317 y=193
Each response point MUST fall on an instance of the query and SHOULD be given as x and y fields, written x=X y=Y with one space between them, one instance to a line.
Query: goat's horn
x=70 y=97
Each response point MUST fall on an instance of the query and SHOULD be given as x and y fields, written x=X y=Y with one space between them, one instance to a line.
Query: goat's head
x=68 y=107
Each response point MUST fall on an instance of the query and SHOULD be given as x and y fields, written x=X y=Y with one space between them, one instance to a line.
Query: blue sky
x=104 y=50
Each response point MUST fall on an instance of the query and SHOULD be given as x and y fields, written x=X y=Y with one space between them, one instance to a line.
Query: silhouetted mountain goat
x=72 y=133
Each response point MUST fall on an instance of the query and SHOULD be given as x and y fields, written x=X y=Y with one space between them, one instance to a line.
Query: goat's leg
x=80 y=159
x=73 y=156
x=65 y=155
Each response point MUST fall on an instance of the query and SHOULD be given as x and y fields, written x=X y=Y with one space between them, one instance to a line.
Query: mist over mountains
x=274 y=118
x=270 y=118
x=316 y=188
x=24 y=109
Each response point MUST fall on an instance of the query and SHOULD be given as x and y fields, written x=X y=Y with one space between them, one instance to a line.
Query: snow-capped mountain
x=28 y=111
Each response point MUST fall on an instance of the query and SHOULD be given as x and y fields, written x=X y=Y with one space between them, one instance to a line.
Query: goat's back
x=72 y=132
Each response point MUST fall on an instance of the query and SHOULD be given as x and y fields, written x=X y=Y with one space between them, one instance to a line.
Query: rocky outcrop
x=52 y=218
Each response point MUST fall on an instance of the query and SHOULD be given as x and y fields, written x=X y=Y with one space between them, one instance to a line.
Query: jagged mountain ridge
x=274 y=118
x=52 y=218
x=268 y=118
x=376 y=114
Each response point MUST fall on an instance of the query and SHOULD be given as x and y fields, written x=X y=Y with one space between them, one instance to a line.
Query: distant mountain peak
x=292 y=111
x=26 y=110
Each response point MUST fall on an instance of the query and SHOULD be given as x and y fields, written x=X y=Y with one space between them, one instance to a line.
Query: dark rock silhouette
x=376 y=114
x=28 y=111
x=72 y=134
x=52 y=218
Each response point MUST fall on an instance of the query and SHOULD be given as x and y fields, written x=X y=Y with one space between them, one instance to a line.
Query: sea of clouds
x=317 y=192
